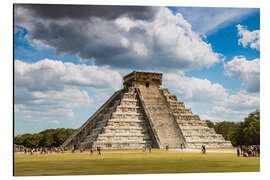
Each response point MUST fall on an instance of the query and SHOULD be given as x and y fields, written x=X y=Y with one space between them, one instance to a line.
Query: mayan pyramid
x=141 y=114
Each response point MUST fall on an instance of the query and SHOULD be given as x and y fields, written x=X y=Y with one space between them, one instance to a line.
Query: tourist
x=167 y=147
x=245 y=152
x=144 y=149
x=73 y=149
x=203 y=149
x=91 y=150
x=238 y=151
x=181 y=147
x=253 y=147
x=241 y=149
x=99 y=150
x=150 y=148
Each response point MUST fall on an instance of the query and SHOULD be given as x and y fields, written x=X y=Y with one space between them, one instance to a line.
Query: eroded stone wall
x=195 y=131
x=123 y=127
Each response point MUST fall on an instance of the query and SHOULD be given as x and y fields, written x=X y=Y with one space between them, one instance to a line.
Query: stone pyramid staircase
x=195 y=131
x=122 y=127
x=163 y=122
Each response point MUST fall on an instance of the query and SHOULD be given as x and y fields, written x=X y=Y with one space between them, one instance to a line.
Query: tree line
x=240 y=133
x=46 y=138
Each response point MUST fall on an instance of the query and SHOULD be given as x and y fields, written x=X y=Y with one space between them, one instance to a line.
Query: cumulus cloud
x=235 y=108
x=243 y=101
x=195 y=90
x=133 y=37
x=53 y=89
x=248 y=38
x=248 y=70
x=53 y=75
x=209 y=20
x=83 y=12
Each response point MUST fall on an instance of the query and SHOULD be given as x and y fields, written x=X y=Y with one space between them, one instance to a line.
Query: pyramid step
x=131 y=124
x=194 y=128
x=204 y=139
x=123 y=135
x=136 y=116
x=122 y=138
x=209 y=144
x=192 y=123
x=214 y=135
x=127 y=120
x=171 y=97
x=129 y=102
x=129 y=96
x=131 y=131
x=186 y=117
x=128 y=109
x=111 y=128
x=165 y=90
x=198 y=131
x=177 y=107
x=121 y=142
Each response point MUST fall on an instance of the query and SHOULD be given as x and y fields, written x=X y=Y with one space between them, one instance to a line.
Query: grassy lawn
x=131 y=162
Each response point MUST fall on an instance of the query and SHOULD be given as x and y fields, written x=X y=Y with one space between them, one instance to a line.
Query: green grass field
x=131 y=162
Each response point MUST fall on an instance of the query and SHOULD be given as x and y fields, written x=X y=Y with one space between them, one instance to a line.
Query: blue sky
x=68 y=64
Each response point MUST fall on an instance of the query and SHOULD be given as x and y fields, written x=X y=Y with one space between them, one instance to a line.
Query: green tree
x=240 y=133
x=251 y=128
x=46 y=138
x=225 y=128
x=210 y=123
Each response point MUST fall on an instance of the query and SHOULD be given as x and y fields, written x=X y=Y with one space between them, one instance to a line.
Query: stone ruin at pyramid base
x=142 y=114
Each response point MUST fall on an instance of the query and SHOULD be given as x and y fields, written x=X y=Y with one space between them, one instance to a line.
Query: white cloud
x=48 y=88
x=248 y=70
x=164 y=42
x=195 y=90
x=49 y=74
x=243 y=101
x=251 y=38
x=235 y=108
x=209 y=20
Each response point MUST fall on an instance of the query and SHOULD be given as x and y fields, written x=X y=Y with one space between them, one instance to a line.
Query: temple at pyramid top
x=143 y=79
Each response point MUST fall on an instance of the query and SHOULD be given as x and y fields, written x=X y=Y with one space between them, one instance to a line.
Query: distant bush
x=46 y=138
x=240 y=133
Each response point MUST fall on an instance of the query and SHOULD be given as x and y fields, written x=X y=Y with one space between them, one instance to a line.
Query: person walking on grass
x=91 y=150
x=73 y=149
x=144 y=149
x=238 y=151
x=150 y=148
x=203 y=149
x=99 y=150
x=241 y=150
